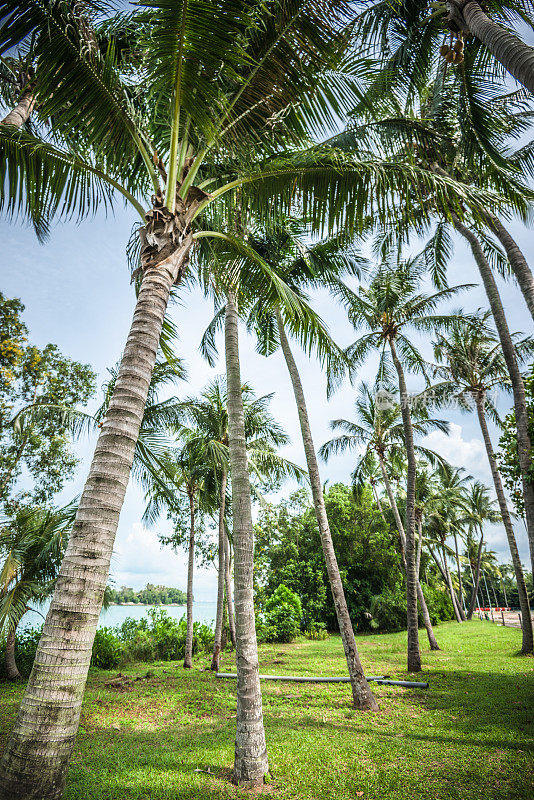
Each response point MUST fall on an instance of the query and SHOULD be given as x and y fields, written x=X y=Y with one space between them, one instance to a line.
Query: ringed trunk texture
x=526 y=619
x=22 y=111
x=432 y=641
x=515 y=56
x=517 y=260
x=414 y=654
x=450 y=588
x=229 y=591
x=524 y=445
x=10 y=664
x=217 y=643
x=361 y=691
x=251 y=763
x=476 y=580
x=461 y=602
x=188 y=657
x=36 y=758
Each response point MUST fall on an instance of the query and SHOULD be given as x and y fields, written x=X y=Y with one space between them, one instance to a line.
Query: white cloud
x=139 y=558
x=469 y=454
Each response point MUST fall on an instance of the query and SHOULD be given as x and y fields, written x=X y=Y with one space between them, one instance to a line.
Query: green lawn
x=468 y=737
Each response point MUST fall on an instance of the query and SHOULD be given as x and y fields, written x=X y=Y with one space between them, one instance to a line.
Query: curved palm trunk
x=524 y=445
x=526 y=622
x=476 y=579
x=450 y=588
x=461 y=602
x=10 y=664
x=217 y=643
x=452 y=591
x=517 y=260
x=400 y=528
x=414 y=654
x=515 y=56
x=419 y=517
x=229 y=592
x=188 y=657
x=37 y=755
x=361 y=692
x=19 y=115
x=251 y=764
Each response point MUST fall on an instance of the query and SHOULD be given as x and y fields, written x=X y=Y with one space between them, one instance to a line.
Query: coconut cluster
x=453 y=53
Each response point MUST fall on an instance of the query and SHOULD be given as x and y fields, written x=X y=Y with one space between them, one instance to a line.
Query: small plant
x=316 y=631
x=107 y=649
x=283 y=614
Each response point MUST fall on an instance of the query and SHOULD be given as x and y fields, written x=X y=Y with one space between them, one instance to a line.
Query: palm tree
x=472 y=364
x=391 y=303
x=414 y=30
x=282 y=250
x=206 y=103
x=32 y=543
x=480 y=508
x=205 y=419
x=186 y=474
x=379 y=429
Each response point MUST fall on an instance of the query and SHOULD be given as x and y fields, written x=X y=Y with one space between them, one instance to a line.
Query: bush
x=107 y=649
x=389 y=608
x=161 y=637
x=316 y=631
x=283 y=614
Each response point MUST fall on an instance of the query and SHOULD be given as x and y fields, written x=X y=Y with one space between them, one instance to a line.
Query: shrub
x=283 y=614
x=107 y=649
x=316 y=631
x=161 y=637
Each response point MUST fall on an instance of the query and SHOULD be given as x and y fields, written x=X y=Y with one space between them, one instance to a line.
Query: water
x=115 y=615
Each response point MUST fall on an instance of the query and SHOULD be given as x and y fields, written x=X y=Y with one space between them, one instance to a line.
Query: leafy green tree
x=508 y=456
x=38 y=447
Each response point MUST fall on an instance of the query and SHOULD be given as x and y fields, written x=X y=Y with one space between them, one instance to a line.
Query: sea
x=203 y=611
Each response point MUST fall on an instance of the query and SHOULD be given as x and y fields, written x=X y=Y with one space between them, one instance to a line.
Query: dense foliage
x=508 y=457
x=288 y=552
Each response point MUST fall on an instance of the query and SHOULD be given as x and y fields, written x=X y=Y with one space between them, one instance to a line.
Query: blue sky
x=77 y=294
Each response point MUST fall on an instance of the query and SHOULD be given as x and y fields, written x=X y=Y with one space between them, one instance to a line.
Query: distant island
x=149 y=596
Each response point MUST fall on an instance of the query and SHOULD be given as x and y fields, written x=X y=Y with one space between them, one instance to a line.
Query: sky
x=77 y=294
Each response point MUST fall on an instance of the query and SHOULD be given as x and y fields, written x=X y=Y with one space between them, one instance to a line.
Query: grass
x=169 y=736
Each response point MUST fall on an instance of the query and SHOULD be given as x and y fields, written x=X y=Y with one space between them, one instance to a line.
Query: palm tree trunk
x=524 y=445
x=251 y=764
x=476 y=579
x=361 y=692
x=517 y=260
x=37 y=755
x=528 y=642
x=229 y=592
x=461 y=603
x=452 y=591
x=217 y=643
x=414 y=654
x=448 y=584
x=10 y=664
x=400 y=528
x=188 y=657
x=21 y=113
x=515 y=56
x=419 y=544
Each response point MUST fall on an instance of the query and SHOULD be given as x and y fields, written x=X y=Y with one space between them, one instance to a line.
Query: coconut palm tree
x=480 y=509
x=32 y=543
x=472 y=364
x=391 y=303
x=281 y=248
x=378 y=428
x=202 y=104
x=187 y=476
x=414 y=30
x=205 y=419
